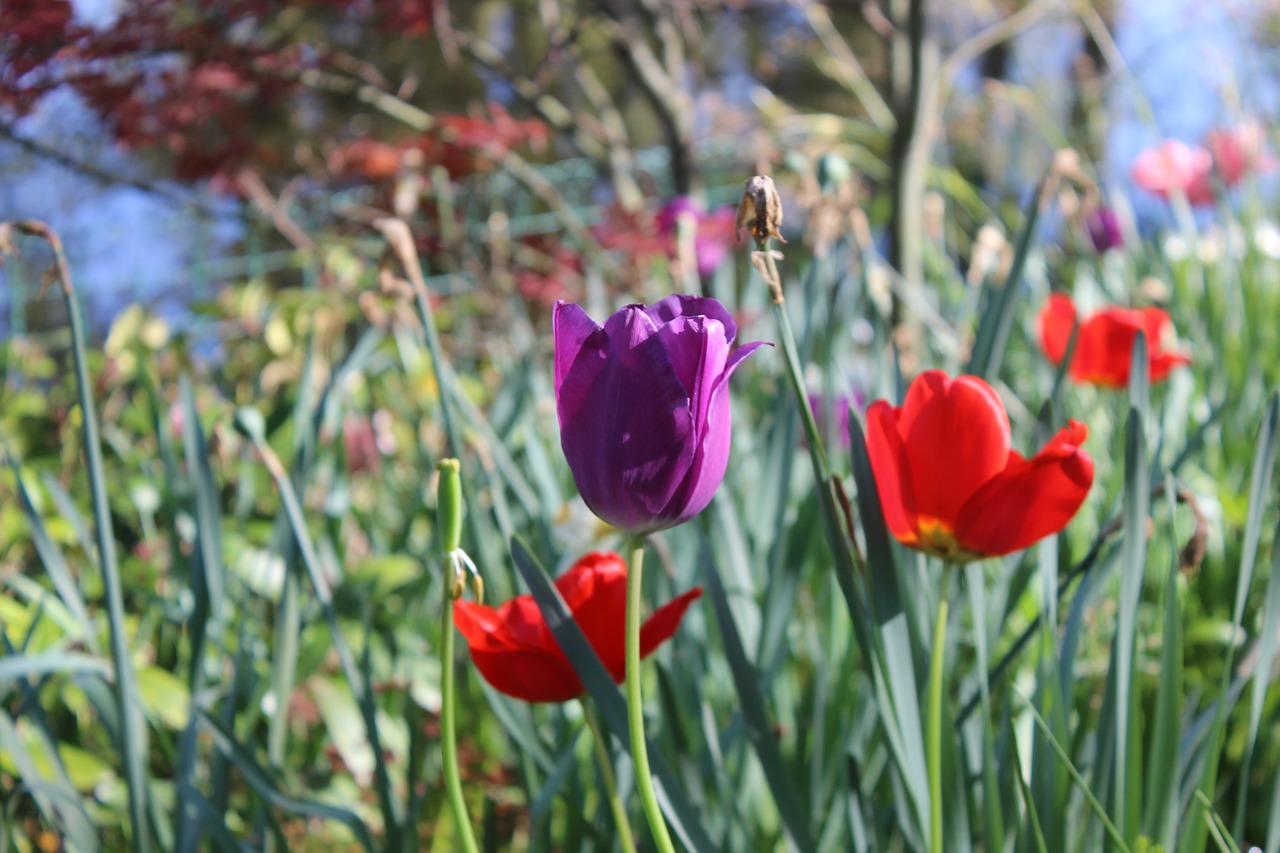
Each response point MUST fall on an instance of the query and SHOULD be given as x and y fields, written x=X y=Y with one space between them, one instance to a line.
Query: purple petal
x=714 y=440
x=571 y=327
x=686 y=305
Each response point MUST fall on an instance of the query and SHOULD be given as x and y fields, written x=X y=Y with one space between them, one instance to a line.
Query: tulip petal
x=1104 y=351
x=571 y=327
x=529 y=675
x=711 y=457
x=595 y=590
x=659 y=627
x=1030 y=499
x=1057 y=319
x=625 y=423
x=957 y=437
x=892 y=470
x=686 y=305
x=515 y=651
x=1156 y=324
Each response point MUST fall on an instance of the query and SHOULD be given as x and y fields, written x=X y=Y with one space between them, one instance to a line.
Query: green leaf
x=164 y=696
x=760 y=730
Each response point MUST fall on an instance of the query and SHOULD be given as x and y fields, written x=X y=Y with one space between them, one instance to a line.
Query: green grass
x=226 y=628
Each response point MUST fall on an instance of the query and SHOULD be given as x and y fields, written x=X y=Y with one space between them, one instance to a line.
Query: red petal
x=1104 y=347
x=500 y=645
x=1057 y=319
x=956 y=434
x=892 y=470
x=1031 y=499
x=659 y=627
x=595 y=589
x=529 y=675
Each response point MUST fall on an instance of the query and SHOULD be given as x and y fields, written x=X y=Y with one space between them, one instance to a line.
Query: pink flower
x=713 y=237
x=1173 y=166
x=1238 y=151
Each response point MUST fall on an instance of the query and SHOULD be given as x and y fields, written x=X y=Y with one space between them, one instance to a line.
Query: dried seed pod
x=760 y=210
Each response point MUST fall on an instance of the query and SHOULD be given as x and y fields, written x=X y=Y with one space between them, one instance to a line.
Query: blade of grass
x=133 y=733
x=51 y=557
x=1161 y=820
x=997 y=320
x=56 y=799
x=759 y=730
x=1194 y=836
x=260 y=780
x=1111 y=830
x=250 y=423
x=1260 y=680
x=613 y=710
x=1126 y=753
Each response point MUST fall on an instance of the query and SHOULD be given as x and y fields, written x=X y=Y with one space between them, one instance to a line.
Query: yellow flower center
x=936 y=537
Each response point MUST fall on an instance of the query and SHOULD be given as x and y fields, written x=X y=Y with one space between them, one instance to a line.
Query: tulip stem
x=620 y=820
x=635 y=705
x=448 y=728
x=933 y=744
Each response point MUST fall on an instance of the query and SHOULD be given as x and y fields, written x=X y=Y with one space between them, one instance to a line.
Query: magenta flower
x=713 y=235
x=1104 y=229
x=644 y=407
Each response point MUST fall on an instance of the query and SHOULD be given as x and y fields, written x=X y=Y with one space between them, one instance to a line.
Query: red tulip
x=1104 y=344
x=949 y=482
x=516 y=653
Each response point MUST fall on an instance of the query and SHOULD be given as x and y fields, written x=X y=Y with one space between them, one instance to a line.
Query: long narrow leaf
x=759 y=729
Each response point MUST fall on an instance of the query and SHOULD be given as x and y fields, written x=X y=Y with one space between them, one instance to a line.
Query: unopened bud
x=449 y=504
x=760 y=210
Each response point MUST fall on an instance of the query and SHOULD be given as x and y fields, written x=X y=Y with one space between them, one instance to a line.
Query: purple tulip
x=644 y=407
x=1104 y=229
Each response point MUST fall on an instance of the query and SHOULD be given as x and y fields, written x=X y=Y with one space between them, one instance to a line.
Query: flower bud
x=449 y=504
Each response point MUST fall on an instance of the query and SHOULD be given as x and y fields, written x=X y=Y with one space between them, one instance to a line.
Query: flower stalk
x=449 y=516
x=933 y=735
x=635 y=704
x=625 y=836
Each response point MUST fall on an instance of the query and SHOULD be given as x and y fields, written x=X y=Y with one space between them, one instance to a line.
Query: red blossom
x=1104 y=344
x=951 y=484
x=516 y=652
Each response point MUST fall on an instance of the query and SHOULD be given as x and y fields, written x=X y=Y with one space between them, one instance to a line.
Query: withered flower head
x=760 y=210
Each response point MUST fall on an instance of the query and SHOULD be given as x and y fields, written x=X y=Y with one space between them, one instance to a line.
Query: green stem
x=448 y=728
x=635 y=706
x=934 y=735
x=625 y=835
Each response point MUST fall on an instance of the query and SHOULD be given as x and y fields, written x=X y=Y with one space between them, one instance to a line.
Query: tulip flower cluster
x=1174 y=166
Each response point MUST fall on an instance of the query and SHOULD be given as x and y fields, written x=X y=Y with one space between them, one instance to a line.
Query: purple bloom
x=1104 y=229
x=713 y=233
x=644 y=407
